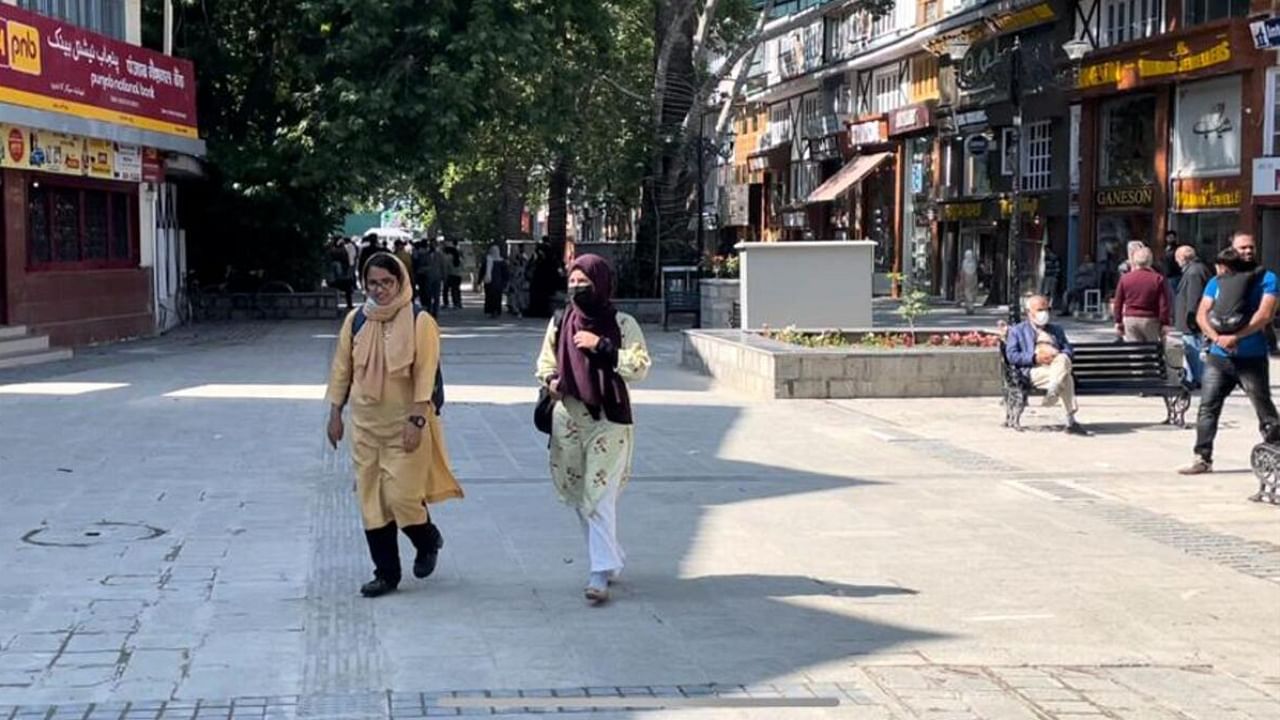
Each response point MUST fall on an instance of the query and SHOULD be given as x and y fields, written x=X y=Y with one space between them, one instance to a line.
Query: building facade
x=95 y=130
x=910 y=127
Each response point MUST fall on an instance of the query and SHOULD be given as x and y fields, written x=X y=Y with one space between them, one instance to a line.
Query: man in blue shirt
x=1237 y=359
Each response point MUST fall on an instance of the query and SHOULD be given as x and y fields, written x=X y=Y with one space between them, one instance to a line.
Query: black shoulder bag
x=546 y=407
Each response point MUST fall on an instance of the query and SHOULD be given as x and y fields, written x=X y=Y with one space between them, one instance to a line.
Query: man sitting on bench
x=1040 y=351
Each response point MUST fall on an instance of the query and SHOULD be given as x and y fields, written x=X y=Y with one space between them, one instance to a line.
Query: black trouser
x=453 y=289
x=429 y=295
x=493 y=300
x=1221 y=376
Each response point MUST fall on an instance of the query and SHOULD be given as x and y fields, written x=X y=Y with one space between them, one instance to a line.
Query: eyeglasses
x=382 y=284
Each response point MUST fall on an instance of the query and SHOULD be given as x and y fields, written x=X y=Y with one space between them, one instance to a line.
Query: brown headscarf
x=385 y=345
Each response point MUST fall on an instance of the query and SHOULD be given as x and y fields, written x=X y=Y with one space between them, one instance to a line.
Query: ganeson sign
x=1138 y=196
x=49 y=65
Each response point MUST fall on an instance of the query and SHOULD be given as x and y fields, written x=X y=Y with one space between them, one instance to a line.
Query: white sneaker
x=1050 y=396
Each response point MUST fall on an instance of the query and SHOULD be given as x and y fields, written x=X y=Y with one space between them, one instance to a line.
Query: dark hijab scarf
x=592 y=377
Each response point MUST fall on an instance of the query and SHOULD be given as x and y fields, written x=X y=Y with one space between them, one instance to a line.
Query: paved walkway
x=176 y=545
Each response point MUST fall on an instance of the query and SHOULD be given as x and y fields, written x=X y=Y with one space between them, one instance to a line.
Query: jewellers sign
x=1164 y=62
x=50 y=65
x=1141 y=196
x=1223 y=193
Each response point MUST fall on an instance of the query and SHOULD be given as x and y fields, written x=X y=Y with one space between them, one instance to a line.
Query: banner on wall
x=51 y=152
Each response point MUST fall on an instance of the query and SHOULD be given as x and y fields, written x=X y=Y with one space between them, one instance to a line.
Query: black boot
x=428 y=540
x=385 y=553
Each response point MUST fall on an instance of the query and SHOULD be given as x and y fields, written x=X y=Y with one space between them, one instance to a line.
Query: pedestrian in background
x=1141 y=304
x=588 y=358
x=453 y=282
x=1170 y=267
x=339 y=276
x=969 y=281
x=366 y=251
x=404 y=254
x=432 y=267
x=494 y=278
x=1052 y=271
x=1193 y=278
x=386 y=369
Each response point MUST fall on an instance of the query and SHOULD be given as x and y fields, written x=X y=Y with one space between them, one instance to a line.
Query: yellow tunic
x=588 y=455
x=393 y=484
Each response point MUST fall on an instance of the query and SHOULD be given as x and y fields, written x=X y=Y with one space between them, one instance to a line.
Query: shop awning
x=853 y=171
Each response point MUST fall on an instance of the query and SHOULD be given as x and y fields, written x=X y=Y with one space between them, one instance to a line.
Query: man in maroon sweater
x=1141 y=304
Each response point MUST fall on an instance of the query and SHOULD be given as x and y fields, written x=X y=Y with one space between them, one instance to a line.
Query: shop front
x=858 y=201
x=83 y=126
x=1208 y=189
x=982 y=227
x=1164 y=142
x=912 y=128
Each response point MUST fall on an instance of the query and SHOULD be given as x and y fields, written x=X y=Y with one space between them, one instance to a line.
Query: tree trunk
x=664 y=214
x=558 y=206
x=511 y=201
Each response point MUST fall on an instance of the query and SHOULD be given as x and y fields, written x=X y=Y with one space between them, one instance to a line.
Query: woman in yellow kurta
x=388 y=371
x=586 y=363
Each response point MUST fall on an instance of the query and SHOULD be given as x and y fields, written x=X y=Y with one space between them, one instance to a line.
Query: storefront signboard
x=47 y=64
x=1199 y=195
x=1138 y=196
x=909 y=119
x=1164 y=62
x=953 y=212
x=1030 y=206
x=1266 y=33
x=868 y=133
x=1266 y=177
x=977 y=145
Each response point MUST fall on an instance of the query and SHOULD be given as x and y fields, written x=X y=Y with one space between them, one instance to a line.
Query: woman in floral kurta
x=587 y=361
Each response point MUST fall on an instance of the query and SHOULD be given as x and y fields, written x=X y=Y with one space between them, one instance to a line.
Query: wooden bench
x=1139 y=369
x=681 y=302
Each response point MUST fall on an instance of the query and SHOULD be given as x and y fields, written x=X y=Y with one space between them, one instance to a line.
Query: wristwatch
x=417 y=421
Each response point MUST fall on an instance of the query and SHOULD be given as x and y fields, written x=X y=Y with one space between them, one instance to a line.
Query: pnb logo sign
x=19 y=47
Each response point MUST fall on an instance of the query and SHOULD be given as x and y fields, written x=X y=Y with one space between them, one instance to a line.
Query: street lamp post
x=1015 y=212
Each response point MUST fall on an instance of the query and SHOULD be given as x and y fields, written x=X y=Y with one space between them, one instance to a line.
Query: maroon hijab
x=592 y=377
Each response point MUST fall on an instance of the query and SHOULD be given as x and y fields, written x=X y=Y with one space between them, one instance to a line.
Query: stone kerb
x=765 y=368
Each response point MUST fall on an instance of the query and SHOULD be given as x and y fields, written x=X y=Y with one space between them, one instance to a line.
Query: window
x=977 y=172
x=1037 y=163
x=804 y=179
x=80 y=227
x=887 y=90
x=1128 y=20
x=1128 y=148
x=100 y=16
x=1203 y=11
x=810 y=112
x=1271 y=140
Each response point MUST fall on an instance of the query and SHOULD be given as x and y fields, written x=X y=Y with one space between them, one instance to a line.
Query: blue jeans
x=1192 y=364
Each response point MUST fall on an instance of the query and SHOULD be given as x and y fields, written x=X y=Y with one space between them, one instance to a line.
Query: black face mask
x=581 y=296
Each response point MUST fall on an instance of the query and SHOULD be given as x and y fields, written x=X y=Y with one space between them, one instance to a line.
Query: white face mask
x=1040 y=318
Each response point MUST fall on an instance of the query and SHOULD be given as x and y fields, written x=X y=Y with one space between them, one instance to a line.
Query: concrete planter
x=646 y=311
x=764 y=368
x=718 y=297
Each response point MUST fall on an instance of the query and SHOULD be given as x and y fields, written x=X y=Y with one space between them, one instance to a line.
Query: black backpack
x=1231 y=307
x=437 y=395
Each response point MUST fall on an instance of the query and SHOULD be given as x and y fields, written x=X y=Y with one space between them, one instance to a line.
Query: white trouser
x=1057 y=374
x=601 y=529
